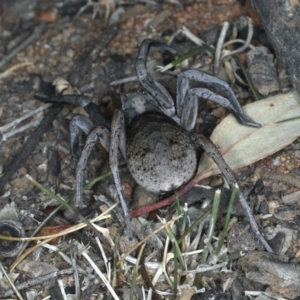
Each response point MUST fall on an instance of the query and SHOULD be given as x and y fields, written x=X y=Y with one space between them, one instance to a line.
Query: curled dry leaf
x=50 y=230
x=241 y=145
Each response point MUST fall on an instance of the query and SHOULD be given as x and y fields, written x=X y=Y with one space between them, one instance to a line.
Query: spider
x=152 y=134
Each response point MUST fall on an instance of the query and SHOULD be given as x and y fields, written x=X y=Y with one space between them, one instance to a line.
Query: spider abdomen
x=160 y=154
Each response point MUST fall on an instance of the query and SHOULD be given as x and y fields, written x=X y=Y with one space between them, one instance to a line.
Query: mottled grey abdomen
x=160 y=154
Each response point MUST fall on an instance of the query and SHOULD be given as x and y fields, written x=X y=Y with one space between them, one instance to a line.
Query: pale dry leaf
x=242 y=145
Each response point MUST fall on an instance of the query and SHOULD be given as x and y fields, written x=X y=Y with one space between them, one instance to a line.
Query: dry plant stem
x=38 y=280
x=100 y=274
x=190 y=36
x=145 y=275
x=66 y=258
x=17 y=121
x=28 y=251
x=17 y=160
x=76 y=277
x=136 y=272
x=246 y=43
x=124 y=80
x=205 y=268
x=35 y=35
x=15 y=289
x=234 y=42
x=164 y=226
x=88 y=186
x=62 y=289
x=70 y=208
x=15 y=67
x=61 y=233
x=219 y=47
x=165 y=261
x=175 y=276
x=10 y=134
x=175 y=245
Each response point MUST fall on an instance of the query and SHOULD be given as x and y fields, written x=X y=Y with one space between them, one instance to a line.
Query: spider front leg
x=79 y=100
x=152 y=86
x=187 y=98
x=213 y=152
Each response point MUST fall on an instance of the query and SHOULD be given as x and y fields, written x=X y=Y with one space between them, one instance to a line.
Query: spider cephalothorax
x=154 y=134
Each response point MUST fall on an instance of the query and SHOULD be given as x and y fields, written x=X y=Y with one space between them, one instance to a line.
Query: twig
x=246 y=43
x=164 y=226
x=24 y=117
x=35 y=35
x=17 y=160
x=38 y=280
x=135 y=272
x=96 y=231
x=62 y=289
x=219 y=46
x=13 y=132
x=66 y=258
x=15 y=289
x=205 y=268
x=188 y=34
x=15 y=67
x=124 y=80
x=100 y=274
x=76 y=278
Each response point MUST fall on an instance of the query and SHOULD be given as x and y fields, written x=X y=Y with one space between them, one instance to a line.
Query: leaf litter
x=241 y=146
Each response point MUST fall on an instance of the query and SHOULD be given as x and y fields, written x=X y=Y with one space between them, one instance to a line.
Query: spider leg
x=118 y=141
x=78 y=124
x=213 y=152
x=79 y=100
x=153 y=87
x=98 y=133
x=187 y=96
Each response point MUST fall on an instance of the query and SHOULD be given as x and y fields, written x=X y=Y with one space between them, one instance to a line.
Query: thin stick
x=38 y=280
x=18 y=159
x=15 y=289
x=219 y=46
x=34 y=36
x=13 y=132
x=100 y=274
x=15 y=122
x=15 y=67
x=246 y=43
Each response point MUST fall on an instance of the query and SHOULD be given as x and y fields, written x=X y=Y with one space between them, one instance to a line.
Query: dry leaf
x=50 y=230
x=242 y=145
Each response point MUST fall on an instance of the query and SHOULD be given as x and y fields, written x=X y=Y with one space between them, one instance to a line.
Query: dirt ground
x=94 y=47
